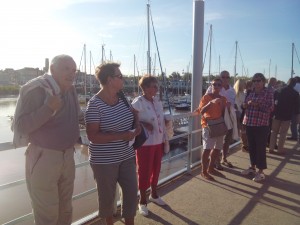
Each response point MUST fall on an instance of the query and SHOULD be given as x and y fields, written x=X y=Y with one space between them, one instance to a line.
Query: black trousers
x=257 y=143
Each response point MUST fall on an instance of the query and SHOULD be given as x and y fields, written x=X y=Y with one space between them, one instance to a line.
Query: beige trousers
x=278 y=127
x=50 y=178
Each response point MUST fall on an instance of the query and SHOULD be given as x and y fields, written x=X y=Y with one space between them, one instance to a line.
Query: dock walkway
x=233 y=199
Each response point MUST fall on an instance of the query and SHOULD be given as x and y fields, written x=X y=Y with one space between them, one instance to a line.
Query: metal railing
x=182 y=124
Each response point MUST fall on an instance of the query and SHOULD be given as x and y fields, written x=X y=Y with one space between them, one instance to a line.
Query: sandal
x=219 y=167
x=207 y=177
x=228 y=164
x=216 y=173
x=245 y=149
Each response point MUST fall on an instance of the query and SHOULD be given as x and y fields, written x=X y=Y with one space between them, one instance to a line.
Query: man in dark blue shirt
x=295 y=129
x=286 y=105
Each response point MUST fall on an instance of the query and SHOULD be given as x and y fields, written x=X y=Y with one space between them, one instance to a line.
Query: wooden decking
x=233 y=199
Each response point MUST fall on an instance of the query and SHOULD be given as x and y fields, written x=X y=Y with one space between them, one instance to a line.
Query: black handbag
x=143 y=136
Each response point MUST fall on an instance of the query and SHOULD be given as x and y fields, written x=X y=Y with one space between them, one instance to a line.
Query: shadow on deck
x=233 y=199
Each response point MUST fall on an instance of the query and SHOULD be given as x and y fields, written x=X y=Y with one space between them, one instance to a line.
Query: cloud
x=61 y=4
x=103 y=35
x=44 y=5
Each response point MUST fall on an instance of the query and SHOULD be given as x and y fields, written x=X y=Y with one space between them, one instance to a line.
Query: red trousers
x=148 y=160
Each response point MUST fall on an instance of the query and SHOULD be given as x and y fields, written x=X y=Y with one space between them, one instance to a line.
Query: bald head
x=63 y=70
x=225 y=76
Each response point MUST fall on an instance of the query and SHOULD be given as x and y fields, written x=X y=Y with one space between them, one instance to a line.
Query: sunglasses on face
x=256 y=81
x=225 y=77
x=120 y=76
x=153 y=86
x=217 y=85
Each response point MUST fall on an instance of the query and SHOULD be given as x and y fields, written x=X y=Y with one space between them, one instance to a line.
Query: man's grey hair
x=57 y=59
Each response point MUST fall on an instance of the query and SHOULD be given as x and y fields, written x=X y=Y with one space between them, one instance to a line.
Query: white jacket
x=231 y=122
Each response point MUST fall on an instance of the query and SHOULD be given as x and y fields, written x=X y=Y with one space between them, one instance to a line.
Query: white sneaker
x=248 y=171
x=158 y=200
x=259 y=177
x=143 y=210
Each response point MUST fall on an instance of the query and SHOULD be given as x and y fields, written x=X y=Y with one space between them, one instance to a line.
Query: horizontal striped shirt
x=259 y=116
x=116 y=118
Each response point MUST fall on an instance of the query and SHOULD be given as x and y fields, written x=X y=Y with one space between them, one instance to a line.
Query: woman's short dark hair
x=146 y=81
x=260 y=76
x=292 y=82
x=105 y=70
x=218 y=79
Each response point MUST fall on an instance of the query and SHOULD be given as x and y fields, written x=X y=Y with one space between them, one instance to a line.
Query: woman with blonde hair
x=239 y=88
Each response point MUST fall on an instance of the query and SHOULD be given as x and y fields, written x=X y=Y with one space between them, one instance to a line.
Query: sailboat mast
x=148 y=27
x=292 y=71
x=84 y=47
x=219 y=64
x=270 y=69
x=234 y=75
x=210 y=37
x=102 y=54
x=187 y=77
x=154 y=65
x=149 y=58
x=138 y=78
x=110 y=56
x=134 y=73
x=90 y=72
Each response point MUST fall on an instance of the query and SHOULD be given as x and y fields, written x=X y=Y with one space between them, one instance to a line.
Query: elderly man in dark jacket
x=286 y=105
x=295 y=128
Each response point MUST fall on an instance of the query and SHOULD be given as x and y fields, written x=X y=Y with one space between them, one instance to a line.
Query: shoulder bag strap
x=124 y=99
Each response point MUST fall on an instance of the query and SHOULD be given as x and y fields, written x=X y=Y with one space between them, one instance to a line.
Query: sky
x=264 y=30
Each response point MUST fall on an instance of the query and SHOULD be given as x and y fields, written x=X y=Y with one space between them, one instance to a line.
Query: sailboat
x=89 y=83
x=184 y=102
x=84 y=98
x=183 y=106
x=165 y=98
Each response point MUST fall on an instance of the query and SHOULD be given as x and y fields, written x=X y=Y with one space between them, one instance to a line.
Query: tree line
x=9 y=90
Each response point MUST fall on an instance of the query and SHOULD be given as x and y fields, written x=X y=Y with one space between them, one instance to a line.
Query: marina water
x=14 y=201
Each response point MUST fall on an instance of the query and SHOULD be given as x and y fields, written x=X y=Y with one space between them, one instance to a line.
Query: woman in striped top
x=109 y=124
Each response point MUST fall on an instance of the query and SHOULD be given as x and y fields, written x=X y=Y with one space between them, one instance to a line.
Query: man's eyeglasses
x=154 y=86
x=258 y=80
x=225 y=77
x=217 y=85
x=120 y=76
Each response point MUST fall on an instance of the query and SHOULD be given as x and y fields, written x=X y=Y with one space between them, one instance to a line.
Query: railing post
x=189 y=146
